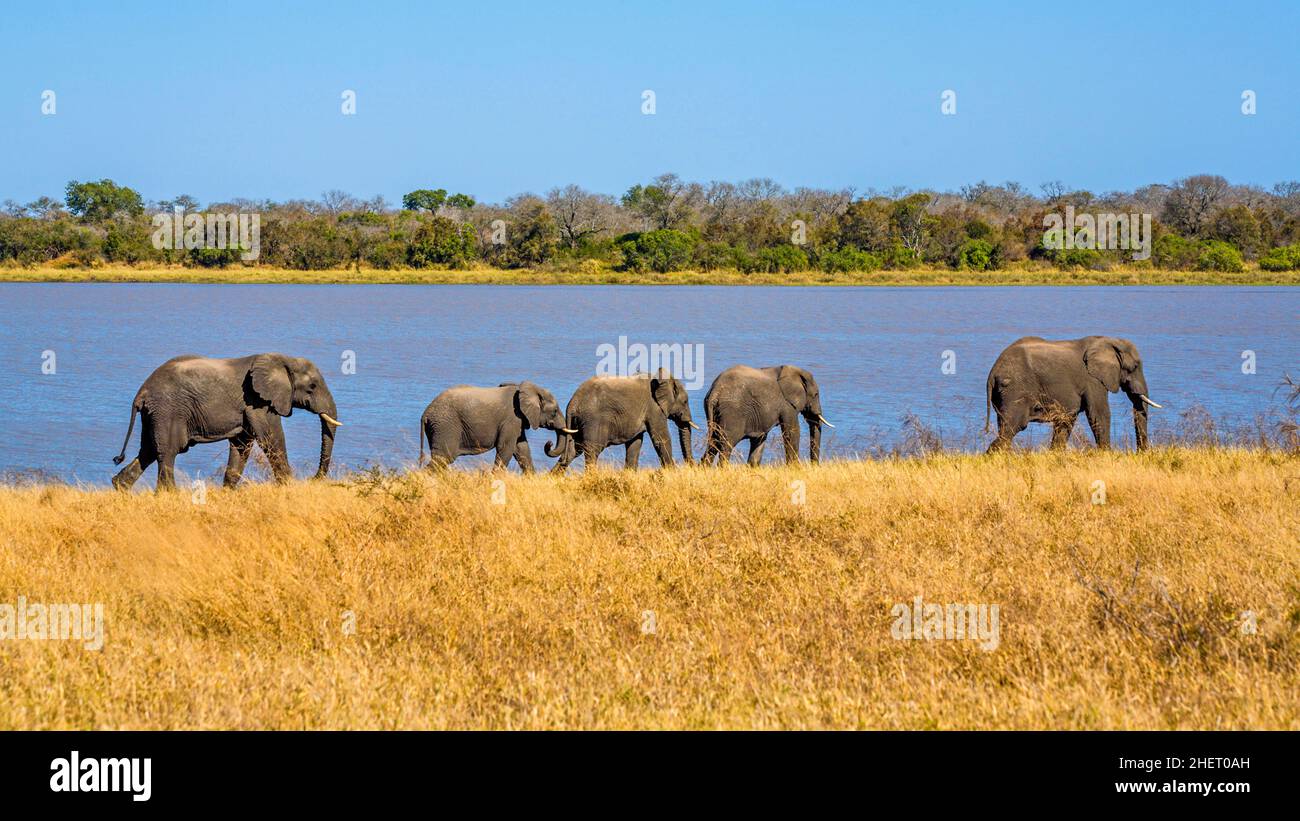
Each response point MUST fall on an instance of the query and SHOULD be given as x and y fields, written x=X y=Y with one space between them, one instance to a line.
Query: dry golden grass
x=768 y=614
x=605 y=275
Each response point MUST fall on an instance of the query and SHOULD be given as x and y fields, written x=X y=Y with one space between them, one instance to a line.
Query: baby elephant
x=467 y=420
x=621 y=410
x=746 y=403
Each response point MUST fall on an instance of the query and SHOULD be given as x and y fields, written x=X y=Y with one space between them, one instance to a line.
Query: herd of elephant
x=192 y=400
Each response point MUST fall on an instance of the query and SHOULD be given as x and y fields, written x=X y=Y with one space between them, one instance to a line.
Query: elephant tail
x=988 y=400
x=419 y=462
x=136 y=405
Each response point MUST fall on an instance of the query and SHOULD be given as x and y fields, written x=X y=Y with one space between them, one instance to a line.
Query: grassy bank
x=605 y=276
x=763 y=612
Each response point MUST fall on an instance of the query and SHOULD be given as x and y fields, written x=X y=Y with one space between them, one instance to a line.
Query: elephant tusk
x=693 y=426
x=1143 y=397
x=336 y=423
x=569 y=431
x=822 y=419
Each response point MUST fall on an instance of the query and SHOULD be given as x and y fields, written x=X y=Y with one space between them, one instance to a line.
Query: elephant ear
x=1102 y=361
x=270 y=376
x=661 y=388
x=793 y=386
x=528 y=402
x=1128 y=354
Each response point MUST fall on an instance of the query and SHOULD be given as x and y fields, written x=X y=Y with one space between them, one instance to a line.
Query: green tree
x=425 y=199
x=98 y=201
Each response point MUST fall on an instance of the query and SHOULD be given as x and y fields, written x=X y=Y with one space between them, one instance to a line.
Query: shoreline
x=919 y=277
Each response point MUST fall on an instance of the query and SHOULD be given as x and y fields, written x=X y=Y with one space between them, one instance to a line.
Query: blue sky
x=229 y=99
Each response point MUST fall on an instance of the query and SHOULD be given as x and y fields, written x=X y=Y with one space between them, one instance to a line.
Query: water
x=876 y=353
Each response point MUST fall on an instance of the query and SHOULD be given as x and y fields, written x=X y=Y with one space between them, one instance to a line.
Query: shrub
x=441 y=241
x=661 y=251
x=1078 y=258
x=782 y=259
x=1175 y=252
x=712 y=256
x=977 y=255
x=848 y=259
x=1286 y=258
x=1217 y=255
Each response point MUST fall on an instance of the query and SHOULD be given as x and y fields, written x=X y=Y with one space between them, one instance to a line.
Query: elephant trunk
x=684 y=439
x=815 y=439
x=328 y=423
x=1140 y=421
x=559 y=447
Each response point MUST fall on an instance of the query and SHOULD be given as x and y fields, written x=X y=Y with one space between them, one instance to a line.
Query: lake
x=876 y=352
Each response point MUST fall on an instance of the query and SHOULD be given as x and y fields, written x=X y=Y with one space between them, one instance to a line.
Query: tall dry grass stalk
x=689 y=598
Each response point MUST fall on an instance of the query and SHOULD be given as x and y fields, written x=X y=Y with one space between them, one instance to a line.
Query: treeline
x=669 y=224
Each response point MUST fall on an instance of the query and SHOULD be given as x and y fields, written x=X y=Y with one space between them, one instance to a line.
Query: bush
x=977 y=255
x=1088 y=258
x=848 y=259
x=32 y=242
x=1175 y=252
x=1217 y=255
x=782 y=259
x=661 y=251
x=1286 y=258
x=713 y=256
x=441 y=241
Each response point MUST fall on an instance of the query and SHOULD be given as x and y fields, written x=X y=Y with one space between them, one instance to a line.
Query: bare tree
x=580 y=214
x=335 y=202
x=1191 y=201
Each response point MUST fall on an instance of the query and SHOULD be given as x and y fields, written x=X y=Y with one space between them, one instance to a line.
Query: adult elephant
x=192 y=400
x=746 y=403
x=1052 y=381
x=621 y=410
x=468 y=420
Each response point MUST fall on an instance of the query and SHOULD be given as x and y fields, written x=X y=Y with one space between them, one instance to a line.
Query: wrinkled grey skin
x=468 y=420
x=621 y=410
x=746 y=403
x=1053 y=381
x=192 y=400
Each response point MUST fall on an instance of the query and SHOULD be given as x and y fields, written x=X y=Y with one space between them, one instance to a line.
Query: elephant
x=1052 y=381
x=193 y=400
x=620 y=410
x=467 y=420
x=746 y=403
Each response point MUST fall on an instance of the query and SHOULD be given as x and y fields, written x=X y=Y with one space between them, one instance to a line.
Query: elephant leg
x=725 y=444
x=790 y=436
x=240 y=447
x=633 y=455
x=756 y=445
x=167 y=470
x=1010 y=422
x=505 y=452
x=710 y=445
x=524 y=455
x=1099 y=421
x=127 y=476
x=659 y=440
x=1061 y=434
x=269 y=433
x=590 y=454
